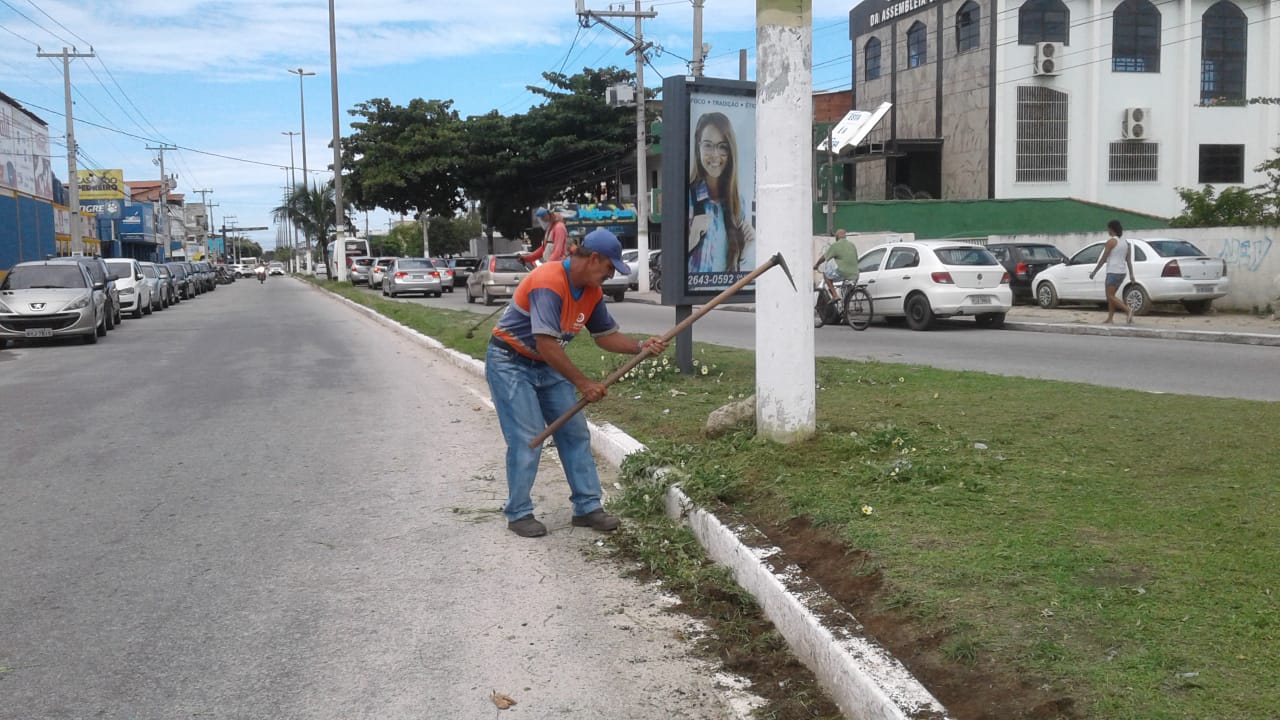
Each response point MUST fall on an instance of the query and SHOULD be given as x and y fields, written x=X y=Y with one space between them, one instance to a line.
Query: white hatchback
x=135 y=292
x=1168 y=270
x=923 y=280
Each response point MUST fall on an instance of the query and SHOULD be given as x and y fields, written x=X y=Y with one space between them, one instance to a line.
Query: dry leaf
x=502 y=701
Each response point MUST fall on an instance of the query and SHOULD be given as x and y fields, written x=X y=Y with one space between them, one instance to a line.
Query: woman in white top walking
x=1118 y=257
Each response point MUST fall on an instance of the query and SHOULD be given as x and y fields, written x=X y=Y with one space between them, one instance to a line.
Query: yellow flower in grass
x=705 y=370
x=867 y=509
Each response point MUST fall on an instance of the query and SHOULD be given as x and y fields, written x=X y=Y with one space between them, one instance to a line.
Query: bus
x=351 y=247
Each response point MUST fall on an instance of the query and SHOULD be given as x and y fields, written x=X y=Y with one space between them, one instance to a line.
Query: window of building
x=871 y=59
x=1044 y=21
x=1135 y=37
x=1042 y=135
x=1221 y=164
x=1223 y=52
x=1134 y=162
x=968 y=27
x=917 y=45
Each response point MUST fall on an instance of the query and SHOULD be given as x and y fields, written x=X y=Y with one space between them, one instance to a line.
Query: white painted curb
x=863 y=678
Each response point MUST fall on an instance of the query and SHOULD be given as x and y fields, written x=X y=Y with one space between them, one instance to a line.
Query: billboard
x=710 y=171
x=110 y=209
x=101 y=184
x=581 y=218
x=24 y=153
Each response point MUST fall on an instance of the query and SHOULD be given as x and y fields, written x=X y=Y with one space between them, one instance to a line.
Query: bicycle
x=852 y=308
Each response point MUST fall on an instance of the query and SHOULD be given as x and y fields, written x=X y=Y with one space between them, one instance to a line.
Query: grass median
x=1089 y=551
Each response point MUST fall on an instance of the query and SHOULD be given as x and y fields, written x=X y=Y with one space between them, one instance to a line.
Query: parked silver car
x=358 y=269
x=411 y=275
x=50 y=299
x=496 y=278
x=377 y=270
x=155 y=284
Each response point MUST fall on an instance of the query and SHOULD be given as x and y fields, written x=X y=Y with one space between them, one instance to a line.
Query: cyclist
x=845 y=255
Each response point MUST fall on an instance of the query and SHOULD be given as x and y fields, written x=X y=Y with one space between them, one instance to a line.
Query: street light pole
x=302 y=108
x=293 y=188
x=339 y=246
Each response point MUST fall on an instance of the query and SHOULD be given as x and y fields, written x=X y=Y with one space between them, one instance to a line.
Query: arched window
x=1223 y=52
x=1135 y=37
x=968 y=26
x=871 y=59
x=1044 y=21
x=917 y=45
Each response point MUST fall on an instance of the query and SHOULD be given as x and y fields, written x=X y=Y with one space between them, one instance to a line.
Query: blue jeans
x=528 y=396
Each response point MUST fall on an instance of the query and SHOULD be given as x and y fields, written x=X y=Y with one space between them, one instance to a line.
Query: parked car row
x=88 y=296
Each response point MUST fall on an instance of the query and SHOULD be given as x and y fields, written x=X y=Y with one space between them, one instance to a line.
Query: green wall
x=940 y=219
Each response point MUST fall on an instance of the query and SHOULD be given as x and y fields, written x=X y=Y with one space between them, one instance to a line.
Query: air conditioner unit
x=1137 y=124
x=621 y=95
x=1048 y=58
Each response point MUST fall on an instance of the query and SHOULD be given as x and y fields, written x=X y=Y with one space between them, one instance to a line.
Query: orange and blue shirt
x=546 y=303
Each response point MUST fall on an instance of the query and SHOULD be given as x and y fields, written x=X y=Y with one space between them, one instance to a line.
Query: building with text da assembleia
x=1117 y=102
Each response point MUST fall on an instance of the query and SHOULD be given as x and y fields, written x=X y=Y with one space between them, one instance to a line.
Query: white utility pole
x=302 y=110
x=73 y=182
x=695 y=65
x=293 y=189
x=785 y=373
x=642 y=145
x=339 y=226
x=163 y=230
x=208 y=217
x=426 y=244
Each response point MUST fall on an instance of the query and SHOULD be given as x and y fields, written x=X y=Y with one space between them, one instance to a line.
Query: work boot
x=597 y=519
x=527 y=526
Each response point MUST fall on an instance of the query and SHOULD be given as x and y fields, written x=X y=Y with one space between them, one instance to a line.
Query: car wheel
x=1197 y=307
x=618 y=296
x=470 y=299
x=100 y=330
x=148 y=309
x=1137 y=299
x=1046 y=296
x=110 y=320
x=919 y=312
x=994 y=321
x=137 y=311
x=449 y=289
x=488 y=299
x=118 y=317
x=90 y=338
x=384 y=289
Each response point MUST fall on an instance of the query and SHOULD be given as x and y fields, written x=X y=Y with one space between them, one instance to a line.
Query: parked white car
x=135 y=292
x=1167 y=270
x=632 y=259
x=923 y=280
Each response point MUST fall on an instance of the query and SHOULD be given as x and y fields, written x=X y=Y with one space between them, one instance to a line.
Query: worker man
x=532 y=380
x=554 y=235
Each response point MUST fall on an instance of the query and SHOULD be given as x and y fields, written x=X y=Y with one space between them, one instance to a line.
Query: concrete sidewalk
x=1166 y=323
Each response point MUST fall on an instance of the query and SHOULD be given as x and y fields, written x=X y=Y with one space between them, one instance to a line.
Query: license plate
x=418 y=277
x=981 y=299
x=38 y=332
x=1204 y=289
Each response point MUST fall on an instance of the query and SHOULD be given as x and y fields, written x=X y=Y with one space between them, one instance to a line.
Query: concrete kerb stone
x=1145 y=332
x=864 y=679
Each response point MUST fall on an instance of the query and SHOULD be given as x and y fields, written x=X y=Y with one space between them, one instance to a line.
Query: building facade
x=1112 y=101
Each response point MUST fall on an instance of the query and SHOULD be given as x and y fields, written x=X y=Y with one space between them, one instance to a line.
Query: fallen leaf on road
x=502 y=701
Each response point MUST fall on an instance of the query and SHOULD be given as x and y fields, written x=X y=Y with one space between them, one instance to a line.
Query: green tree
x=312 y=210
x=404 y=159
x=1234 y=206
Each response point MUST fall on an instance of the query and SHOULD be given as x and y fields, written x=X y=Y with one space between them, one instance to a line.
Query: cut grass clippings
x=1115 y=548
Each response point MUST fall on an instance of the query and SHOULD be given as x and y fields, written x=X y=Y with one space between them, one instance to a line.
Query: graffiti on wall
x=1246 y=254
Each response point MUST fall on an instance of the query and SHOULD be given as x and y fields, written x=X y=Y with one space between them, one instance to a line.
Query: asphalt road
x=261 y=504
x=1152 y=365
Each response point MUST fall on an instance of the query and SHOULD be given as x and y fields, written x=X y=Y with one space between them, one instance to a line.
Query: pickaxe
x=636 y=359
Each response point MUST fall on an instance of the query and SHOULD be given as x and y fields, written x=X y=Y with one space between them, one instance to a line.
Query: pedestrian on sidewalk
x=532 y=380
x=554 y=236
x=1117 y=254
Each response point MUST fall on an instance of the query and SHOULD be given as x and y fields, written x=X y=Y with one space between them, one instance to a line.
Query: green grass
x=1125 y=546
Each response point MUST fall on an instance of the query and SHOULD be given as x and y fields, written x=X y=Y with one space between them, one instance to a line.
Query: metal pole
x=293 y=188
x=302 y=109
x=831 y=172
x=695 y=66
x=339 y=225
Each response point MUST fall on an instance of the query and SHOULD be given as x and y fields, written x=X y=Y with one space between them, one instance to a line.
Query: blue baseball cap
x=540 y=212
x=606 y=243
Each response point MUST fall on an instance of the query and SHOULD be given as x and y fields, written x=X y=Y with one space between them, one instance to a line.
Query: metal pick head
x=782 y=262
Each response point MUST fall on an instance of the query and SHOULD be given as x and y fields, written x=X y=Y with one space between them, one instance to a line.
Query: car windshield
x=1174 y=248
x=508 y=264
x=1041 y=252
x=178 y=271
x=415 y=264
x=43 y=276
x=148 y=271
x=123 y=269
x=965 y=256
x=363 y=262
x=468 y=263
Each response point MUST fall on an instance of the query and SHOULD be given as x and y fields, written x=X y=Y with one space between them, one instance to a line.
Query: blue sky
x=212 y=77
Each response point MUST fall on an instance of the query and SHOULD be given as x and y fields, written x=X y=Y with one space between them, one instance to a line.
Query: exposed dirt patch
x=979 y=691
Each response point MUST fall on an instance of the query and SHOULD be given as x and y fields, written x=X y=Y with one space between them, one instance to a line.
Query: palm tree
x=311 y=209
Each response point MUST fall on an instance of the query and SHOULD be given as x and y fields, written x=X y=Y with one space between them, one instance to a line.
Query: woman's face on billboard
x=713 y=151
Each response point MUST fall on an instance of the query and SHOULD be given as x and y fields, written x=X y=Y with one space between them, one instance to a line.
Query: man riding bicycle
x=845 y=267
